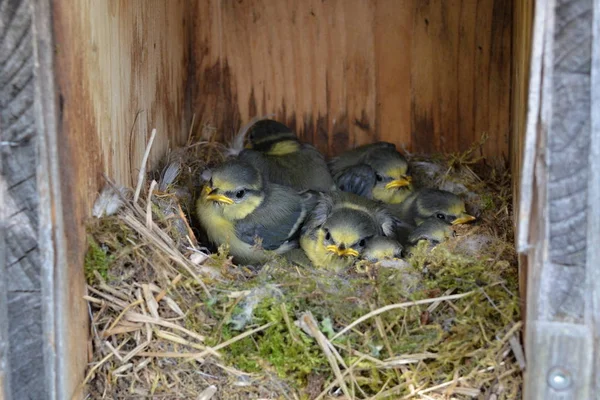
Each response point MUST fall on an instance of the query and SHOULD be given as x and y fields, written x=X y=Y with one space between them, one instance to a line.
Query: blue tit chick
x=254 y=217
x=277 y=152
x=377 y=171
x=433 y=230
x=340 y=241
x=382 y=248
x=338 y=229
x=426 y=203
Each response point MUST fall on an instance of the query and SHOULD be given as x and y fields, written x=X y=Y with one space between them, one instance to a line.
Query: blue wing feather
x=358 y=179
x=276 y=221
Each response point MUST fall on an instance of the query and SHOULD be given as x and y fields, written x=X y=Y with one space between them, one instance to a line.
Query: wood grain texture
x=568 y=145
x=593 y=225
x=559 y=178
x=432 y=76
x=112 y=61
x=566 y=351
x=20 y=292
x=521 y=63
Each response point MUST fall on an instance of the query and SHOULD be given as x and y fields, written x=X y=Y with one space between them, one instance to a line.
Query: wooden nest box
x=83 y=83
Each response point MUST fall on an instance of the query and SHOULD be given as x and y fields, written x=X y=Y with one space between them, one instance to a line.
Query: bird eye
x=240 y=193
x=328 y=236
x=441 y=216
x=378 y=177
x=362 y=243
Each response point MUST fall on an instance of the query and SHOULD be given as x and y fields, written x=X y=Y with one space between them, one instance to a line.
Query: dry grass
x=171 y=320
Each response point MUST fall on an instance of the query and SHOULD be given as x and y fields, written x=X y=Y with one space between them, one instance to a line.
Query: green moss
x=292 y=355
x=96 y=260
x=487 y=201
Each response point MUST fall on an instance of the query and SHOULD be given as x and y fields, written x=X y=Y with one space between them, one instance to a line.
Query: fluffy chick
x=382 y=248
x=238 y=207
x=339 y=227
x=433 y=230
x=377 y=171
x=426 y=203
x=277 y=152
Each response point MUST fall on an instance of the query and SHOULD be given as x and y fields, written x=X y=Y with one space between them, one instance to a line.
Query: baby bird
x=338 y=229
x=276 y=151
x=382 y=248
x=433 y=230
x=238 y=207
x=426 y=203
x=377 y=171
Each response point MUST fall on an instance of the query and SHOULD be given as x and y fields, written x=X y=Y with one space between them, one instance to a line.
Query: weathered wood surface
x=559 y=230
x=521 y=64
x=110 y=71
x=430 y=75
x=20 y=292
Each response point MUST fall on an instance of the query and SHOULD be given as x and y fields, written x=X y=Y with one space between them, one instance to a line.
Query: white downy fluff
x=237 y=144
x=109 y=201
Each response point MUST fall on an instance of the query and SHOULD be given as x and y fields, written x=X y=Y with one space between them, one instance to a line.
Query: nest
x=172 y=319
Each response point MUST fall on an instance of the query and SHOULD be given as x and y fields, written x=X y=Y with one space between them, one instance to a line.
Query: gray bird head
x=346 y=232
x=266 y=135
x=382 y=248
x=393 y=182
x=440 y=204
x=234 y=186
x=434 y=230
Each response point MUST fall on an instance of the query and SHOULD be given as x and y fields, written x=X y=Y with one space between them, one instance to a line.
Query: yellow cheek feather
x=396 y=172
x=320 y=256
x=239 y=211
x=283 y=148
x=391 y=196
x=220 y=228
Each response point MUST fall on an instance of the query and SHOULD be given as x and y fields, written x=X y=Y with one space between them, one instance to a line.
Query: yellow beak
x=215 y=197
x=463 y=219
x=398 y=183
x=248 y=146
x=342 y=252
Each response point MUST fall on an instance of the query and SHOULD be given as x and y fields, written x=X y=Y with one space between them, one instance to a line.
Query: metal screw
x=559 y=378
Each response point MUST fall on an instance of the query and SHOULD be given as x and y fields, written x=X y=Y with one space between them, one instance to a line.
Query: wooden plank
x=541 y=35
x=110 y=60
x=461 y=75
x=593 y=231
x=393 y=47
x=344 y=73
x=21 y=340
x=559 y=198
x=564 y=369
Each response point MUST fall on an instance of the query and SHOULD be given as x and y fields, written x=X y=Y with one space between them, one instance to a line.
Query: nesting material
x=171 y=320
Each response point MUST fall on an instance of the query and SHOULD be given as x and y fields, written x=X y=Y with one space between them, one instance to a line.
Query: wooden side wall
x=429 y=75
x=559 y=219
x=120 y=70
x=521 y=50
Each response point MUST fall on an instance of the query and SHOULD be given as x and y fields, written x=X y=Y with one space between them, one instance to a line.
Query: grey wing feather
x=277 y=222
x=358 y=179
x=386 y=220
x=319 y=213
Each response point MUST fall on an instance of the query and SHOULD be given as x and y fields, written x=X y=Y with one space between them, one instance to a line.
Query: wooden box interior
x=430 y=76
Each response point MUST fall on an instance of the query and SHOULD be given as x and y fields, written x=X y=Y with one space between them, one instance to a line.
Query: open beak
x=342 y=252
x=463 y=219
x=398 y=183
x=219 y=198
